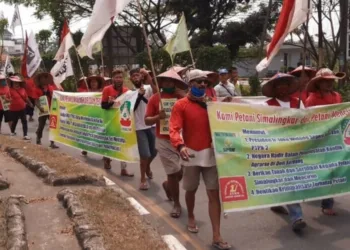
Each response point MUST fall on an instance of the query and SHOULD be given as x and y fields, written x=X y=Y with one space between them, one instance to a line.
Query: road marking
x=173 y=243
x=137 y=206
x=108 y=181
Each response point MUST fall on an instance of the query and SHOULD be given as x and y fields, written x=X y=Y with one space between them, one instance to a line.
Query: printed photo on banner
x=44 y=104
x=280 y=156
x=5 y=103
x=168 y=105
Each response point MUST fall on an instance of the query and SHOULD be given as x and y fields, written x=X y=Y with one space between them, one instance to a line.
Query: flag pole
x=149 y=52
x=306 y=27
x=80 y=67
x=192 y=58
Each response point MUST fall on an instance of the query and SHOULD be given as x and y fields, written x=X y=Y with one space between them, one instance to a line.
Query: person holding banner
x=279 y=88
x=19 y=100
x=190 y=134
x=168 y=82
x=43 y=97
x=109 y=94
x=82 y=85
x=5 y=101
x=304 y=78
x=321 y=93
x=145 y=134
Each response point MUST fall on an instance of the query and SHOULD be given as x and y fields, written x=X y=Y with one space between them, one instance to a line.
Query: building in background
x=12 y=46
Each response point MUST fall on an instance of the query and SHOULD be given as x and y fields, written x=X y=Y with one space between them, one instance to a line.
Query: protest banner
x=44 y=104
x=77 y=120
x=268 y=156
x=5 y=103
x=168 y=105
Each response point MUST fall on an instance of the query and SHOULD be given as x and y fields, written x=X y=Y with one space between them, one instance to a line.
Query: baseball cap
x=223 y=71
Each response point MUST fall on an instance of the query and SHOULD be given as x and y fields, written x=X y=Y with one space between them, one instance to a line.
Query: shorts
x=191 y=178
x=168 y=156
x=5 y=115
x=146 y=141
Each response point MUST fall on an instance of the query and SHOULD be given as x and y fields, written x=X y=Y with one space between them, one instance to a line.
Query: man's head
x=117 y=78
x=198 y=82
x=223 y=75
x=234 y=74
x=280 y=86
x=324 y=80
x=282 y=89
x=136 y=77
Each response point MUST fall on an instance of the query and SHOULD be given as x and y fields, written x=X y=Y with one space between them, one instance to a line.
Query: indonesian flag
x=66 y=42
x=102 y=17
x=293 y=14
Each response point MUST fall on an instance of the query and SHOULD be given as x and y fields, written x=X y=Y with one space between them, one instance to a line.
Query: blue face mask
x=197 y=92
x=3 y=83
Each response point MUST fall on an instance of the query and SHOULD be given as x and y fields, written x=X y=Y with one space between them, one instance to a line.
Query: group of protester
x=187 y=151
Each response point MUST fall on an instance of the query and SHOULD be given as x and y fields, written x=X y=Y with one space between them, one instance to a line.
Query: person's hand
x=184 y=154
x=227 y=99
x=162 y=115
x=142 y=91
x=144 y=72
x=111 y=99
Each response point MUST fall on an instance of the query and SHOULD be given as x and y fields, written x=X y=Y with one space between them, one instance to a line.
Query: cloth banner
x=268 y=156
x=44 y=104
x=77 y=120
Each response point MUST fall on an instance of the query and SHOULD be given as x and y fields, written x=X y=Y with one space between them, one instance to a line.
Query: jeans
x=42 y=123
x=295 y=212
x=327 y=203
x=15 y=116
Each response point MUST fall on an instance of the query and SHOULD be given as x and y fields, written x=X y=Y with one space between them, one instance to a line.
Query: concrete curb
x=88 y=236
x=16 y=233
x=49 y=175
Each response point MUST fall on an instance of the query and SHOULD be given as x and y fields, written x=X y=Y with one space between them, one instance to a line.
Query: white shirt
x=225 y=90
x=140 y=112
x=286 y=104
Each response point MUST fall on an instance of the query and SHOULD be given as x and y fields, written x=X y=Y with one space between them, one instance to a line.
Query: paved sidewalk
x=48 y=227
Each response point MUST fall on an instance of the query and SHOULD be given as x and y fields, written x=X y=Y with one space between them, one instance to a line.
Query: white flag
x=66 y=41
x=33 y=55
x=95 y=49
x=101 y=19
x=8 y=66
x=16 y=20
x=62 y=69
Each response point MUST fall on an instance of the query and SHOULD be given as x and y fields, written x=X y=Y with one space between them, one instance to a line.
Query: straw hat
x=99 y=79
x=38 y=76
x=323 y=74
x=309 y=71
x=267 y=87
x=172 y=74
x=195 y=74
x=18 y=79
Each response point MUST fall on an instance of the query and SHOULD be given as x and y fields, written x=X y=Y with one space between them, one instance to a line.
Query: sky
x=31 y=23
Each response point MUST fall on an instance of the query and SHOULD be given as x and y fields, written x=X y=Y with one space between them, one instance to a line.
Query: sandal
x=221 y=245
x=299 y=225
x=144 y=186
x=329 y=212
x=167 y=192
x=279 y=210
x=107 y=163
x=176 y=213
x=84 y=153
x=192 y=229
x=125 y=173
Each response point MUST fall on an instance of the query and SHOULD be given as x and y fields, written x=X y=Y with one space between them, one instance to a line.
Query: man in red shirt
x=168 y=81
x=19 y=100
x=43 y=88
x=303 y=78
x=190 y=134
x=109 y=94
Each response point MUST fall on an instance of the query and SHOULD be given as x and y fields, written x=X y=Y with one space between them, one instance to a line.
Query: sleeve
x=36 y=93
x=339 y=98
x=309 y=101
x=104 y=102
x=175 y=126
x=151 y=107
x=149 y=92
x=105 y=95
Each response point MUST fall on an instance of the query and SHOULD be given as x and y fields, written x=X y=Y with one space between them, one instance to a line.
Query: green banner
x=270 y=156
x=77 y=120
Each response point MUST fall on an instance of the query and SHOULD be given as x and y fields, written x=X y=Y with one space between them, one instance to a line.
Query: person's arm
x=148 y=80
x=107 y=101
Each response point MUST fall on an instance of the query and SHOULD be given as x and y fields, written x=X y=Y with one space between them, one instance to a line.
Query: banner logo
x=53 y=122
x=125 y=119
x=233 y=189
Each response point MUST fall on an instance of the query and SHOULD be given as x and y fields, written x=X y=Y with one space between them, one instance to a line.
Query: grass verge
x=63 y=164
x=119 y=223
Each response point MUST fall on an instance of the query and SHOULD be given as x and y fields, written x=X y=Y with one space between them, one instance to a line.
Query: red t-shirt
x=111 y=91
x=18 y=99
x=40 y=92
x=210 y=92
x=82 y=90
x=4 y=91
x=315 y=99
x=294 y=102
x=30 y=87
x=153 y=109
x=304 y=95
x=193 y=120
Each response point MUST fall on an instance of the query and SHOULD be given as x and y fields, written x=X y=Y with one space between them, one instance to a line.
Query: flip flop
x=193 y=230
x=176 y=213
x=168 y=194
x=144 y=186
x=221 y=245
x=329 y=212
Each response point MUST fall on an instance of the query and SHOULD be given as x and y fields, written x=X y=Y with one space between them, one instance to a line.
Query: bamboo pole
x=149 y=51
x=80 y=67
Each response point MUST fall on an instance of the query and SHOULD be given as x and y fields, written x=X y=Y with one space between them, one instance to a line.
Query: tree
x=43 y=39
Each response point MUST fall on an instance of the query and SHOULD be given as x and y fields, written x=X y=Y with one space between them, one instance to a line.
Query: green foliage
x=245 y=90
x=3 y=26
x=70 y=84
x=344 y=90
x=254 y=84
x=43 y=38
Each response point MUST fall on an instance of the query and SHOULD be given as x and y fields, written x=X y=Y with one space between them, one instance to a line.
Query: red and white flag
x=66 y=42
x=101 y=19
x=293 y=14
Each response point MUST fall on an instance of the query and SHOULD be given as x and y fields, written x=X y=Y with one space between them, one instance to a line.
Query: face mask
x=169 y=90
x=3 y=83
x=197 y=92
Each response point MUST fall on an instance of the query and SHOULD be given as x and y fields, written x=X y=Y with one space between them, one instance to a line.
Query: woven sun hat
x=195 y=74
x=99 y=79
x=172 y=74
x=309 y=71
x=267 y=87
x=324 y=73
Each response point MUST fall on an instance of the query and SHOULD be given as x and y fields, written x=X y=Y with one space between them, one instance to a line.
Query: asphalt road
x=250 y=230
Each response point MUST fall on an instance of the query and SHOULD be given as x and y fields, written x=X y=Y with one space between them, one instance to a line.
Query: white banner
x=33 y=55
x=62 y=70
